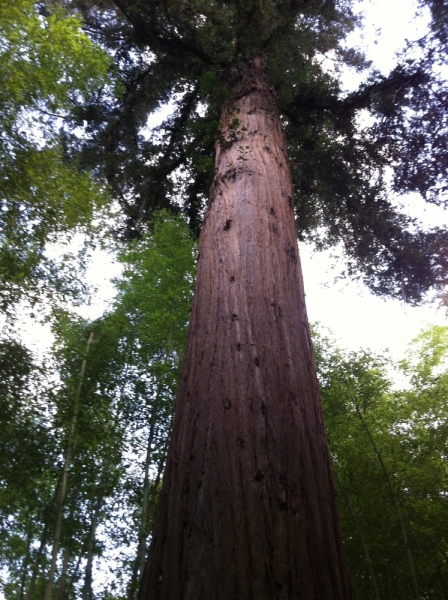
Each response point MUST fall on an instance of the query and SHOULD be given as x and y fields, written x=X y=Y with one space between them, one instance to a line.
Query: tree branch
x=358 y=100
x=148 y=32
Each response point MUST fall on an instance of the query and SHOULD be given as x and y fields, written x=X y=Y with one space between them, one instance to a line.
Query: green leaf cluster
x=100 y=407
x=389 y=448
x=47 y=66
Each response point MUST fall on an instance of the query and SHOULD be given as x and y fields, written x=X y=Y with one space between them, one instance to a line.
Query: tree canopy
x=346 y=174
x=46 y=65
x=389 y=450
x=88 y=424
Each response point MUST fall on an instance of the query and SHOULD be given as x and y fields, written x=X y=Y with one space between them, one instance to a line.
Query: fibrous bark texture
x=248 y=508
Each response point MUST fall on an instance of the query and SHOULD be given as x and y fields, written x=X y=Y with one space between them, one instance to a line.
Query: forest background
x=85 y=424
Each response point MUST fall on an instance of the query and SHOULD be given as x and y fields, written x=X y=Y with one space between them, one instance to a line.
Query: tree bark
x=25 y=561
x=88 y=575
x=248 y=506
x=143 y=533
x=149 y=501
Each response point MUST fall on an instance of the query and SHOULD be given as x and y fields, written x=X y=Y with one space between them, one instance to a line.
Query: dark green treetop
x=188 y=52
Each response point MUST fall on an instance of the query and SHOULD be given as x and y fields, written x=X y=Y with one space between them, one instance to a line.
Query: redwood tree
x=248 y=507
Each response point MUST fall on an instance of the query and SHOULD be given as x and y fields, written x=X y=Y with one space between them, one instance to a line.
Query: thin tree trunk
x=393 y=495
x=87 y=587
x=148 y=503
x=132 y=587
x=76 y=569
x=85 y=547
x=145 y=508
x=366 y=551
x=35 y=569
x=248 y=507
x=142 y=533
x=63 y=490
x=152 y=499
x=25 y=561
x=63 y=579
x=43 y=541
x=88 y=544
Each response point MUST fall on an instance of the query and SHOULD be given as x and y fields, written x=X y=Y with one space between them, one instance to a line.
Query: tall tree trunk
x=87 y=587
x=43 y=542
x=248 y=506
x=148 y=503
x=36 y=564
x=142 y=535
x=87 y=591
x=393 y=495
x=26 y=560
x=74 y=573
x=63 y=579
x=364 y=545
x=67 y=550
x=144 y=523
x=63 y=491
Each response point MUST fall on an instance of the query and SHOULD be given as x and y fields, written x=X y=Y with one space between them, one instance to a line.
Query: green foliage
x=63 y=112
x=188 y=54
x=157 y=281
x=47 y=65
x=125 y=400
x=45 y=58
x=409 y=428
x=27 y=450
x=110 y=401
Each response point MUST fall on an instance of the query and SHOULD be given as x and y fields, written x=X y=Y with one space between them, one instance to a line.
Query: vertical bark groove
x=247 y=508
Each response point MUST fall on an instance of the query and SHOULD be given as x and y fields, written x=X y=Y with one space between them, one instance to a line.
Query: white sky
x=386 y=24
x=356 y=317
